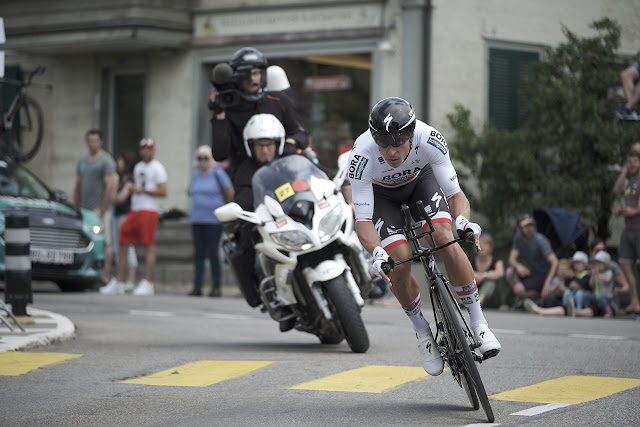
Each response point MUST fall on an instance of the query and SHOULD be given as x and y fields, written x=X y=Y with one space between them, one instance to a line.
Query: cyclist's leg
x=456 y=262
x=388 y=221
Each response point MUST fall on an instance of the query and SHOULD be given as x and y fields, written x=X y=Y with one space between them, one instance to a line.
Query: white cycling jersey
x=367 y=166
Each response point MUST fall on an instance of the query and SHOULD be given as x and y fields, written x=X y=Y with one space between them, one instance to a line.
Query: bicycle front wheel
x=26 y=129
x=461 y=356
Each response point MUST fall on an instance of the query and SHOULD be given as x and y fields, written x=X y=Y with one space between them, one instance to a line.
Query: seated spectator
x=621 y=285
x=489 y=272
x=532 y=280
x=578 y=288
x=560 y=283
x=602 y=284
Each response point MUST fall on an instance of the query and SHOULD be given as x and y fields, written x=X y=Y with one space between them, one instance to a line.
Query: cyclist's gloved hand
x=464 y=226
x=380 y=260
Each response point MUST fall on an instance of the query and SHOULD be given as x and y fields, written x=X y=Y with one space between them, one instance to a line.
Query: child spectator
x=578 y=287
x=602 y=284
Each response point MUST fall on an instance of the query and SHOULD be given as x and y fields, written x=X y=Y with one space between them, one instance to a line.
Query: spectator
x=489 y=272
x=126 y=162
x=629 y=78
x=560 y=283
x=95 y=188
x=628 y=183
x=602 y=284
x=532 y=280
x=210 y=189
x=578 y=288
x=139 y=226
x=621 y=286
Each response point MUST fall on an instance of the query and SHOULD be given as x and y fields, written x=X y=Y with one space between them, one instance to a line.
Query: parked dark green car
x=67 y=244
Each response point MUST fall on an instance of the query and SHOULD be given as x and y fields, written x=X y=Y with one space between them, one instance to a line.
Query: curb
x=34 y=337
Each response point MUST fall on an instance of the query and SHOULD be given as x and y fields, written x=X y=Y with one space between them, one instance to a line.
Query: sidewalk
x=42 y=328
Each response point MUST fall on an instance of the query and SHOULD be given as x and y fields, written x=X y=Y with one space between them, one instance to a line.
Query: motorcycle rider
x=263 y=141
x=400 y=160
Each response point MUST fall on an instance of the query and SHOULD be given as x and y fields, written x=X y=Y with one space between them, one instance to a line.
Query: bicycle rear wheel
x=461 y=356
x=26 y=129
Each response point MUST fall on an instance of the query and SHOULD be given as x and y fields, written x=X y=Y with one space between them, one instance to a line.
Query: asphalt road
x=173 y=360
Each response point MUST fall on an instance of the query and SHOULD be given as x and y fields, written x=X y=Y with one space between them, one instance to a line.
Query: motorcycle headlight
x=330 y=224
x=292 y=240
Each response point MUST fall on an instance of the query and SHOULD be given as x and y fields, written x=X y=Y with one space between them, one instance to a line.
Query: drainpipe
x=426 y=59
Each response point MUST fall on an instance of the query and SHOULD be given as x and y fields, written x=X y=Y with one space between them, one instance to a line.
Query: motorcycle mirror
x=229 y=212
x=274 y=207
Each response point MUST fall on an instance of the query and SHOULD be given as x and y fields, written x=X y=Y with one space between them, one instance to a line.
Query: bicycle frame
x=432 y=272
x=453 y=335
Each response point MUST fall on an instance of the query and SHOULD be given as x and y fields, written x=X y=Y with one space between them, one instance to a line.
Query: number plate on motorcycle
x=284 y=192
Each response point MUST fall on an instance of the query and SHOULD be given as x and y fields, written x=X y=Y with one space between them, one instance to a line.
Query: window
x=507 y=69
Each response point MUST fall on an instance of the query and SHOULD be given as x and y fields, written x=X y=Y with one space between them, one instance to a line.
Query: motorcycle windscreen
x=285 y=180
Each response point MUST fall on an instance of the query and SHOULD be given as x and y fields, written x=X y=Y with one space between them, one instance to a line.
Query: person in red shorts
x=139 y=226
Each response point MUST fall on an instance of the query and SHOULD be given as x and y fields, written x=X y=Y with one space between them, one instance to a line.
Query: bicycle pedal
x=489 y=354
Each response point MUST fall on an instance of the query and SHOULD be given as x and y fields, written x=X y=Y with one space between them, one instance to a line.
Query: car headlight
x=330 y=224
x=292 y=240
x=97 y=229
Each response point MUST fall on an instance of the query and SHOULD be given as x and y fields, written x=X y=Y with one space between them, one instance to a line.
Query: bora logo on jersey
x=357 y=165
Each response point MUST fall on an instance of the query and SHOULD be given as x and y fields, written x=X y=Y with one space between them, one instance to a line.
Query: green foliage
x=565 y=155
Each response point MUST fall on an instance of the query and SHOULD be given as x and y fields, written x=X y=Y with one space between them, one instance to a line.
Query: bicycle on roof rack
x=21 y=127
x=454 y=338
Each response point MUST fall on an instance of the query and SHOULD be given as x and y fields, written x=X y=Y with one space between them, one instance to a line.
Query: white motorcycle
x=311 y=264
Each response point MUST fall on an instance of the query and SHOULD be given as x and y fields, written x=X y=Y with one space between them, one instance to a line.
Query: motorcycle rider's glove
x=464 y=226
x=380 y=257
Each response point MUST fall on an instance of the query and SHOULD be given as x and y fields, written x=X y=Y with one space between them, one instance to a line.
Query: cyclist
x=401 y=160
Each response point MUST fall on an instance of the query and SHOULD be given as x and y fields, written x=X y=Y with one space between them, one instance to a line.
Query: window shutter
x=507 y=104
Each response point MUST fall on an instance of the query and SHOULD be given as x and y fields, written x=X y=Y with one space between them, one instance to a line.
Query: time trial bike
x=454 y=337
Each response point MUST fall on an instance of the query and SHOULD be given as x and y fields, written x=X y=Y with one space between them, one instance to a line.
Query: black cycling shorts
x=387 y=213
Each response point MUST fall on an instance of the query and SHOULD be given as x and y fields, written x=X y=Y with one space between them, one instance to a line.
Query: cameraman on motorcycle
x=238 y=95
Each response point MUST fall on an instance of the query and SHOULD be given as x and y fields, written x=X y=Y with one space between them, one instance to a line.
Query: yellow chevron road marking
x=369 y=379
x=571 y=390
x=14 y=363
x=202 y=373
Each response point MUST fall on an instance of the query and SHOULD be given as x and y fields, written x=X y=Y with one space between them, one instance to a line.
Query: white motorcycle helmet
x=263 y=126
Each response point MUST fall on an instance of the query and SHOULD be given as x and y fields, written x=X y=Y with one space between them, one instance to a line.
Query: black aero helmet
x=243 y=62
x=392 y=121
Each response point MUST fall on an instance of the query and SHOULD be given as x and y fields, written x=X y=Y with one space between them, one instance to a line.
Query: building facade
x=141 y=68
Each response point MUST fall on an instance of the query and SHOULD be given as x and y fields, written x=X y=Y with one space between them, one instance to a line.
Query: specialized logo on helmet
x=387 y=121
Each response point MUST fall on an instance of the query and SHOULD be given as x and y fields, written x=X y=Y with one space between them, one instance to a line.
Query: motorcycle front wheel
x=345 y=308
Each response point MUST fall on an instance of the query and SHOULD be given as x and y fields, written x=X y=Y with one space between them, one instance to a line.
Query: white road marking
x=227 y=316
x=510 y=331
x=597 y=337
x=151 y=313
x=540 y=409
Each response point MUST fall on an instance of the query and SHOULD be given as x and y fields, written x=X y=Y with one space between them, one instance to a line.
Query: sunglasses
x=397 y=140
x=202 y=158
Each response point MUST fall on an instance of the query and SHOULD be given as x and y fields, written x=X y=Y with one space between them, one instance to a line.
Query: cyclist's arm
x=368 y=235
x=459 y=205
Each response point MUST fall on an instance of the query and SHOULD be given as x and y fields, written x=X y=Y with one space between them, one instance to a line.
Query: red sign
x=327 y=83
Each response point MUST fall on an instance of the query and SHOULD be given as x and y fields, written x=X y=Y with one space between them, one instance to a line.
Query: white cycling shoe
x=430 y=354
x=489 y=344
